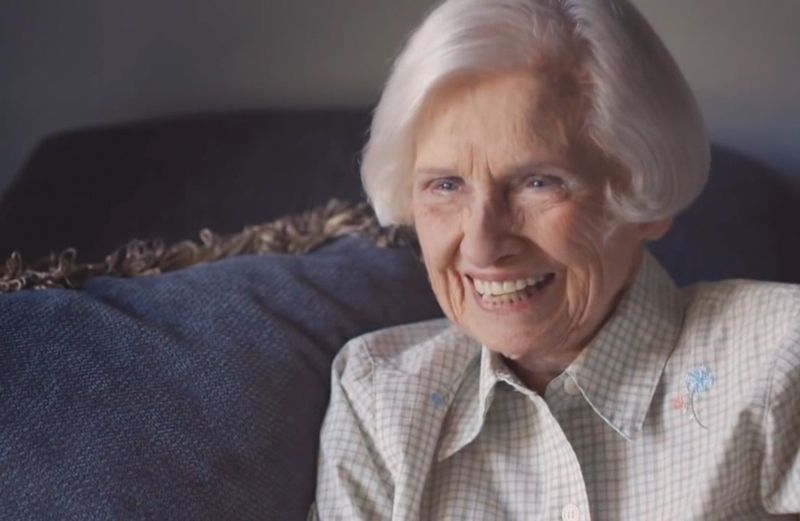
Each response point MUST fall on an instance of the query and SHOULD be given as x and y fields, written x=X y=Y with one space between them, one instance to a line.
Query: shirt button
x=570 y=513
x=570 y=387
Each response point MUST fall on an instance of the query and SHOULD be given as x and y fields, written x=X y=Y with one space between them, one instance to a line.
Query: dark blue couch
x=198 y=394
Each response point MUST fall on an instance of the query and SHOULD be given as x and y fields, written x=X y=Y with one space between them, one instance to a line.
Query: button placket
x=572 y=500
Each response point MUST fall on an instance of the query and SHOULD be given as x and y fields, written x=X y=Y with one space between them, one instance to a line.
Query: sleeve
x=353 y=482
x=780 y=472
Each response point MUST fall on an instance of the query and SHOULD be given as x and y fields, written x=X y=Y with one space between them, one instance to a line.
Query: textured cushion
x=196 y=394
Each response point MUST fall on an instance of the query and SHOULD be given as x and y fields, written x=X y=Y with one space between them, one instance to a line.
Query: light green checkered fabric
x=685 y=406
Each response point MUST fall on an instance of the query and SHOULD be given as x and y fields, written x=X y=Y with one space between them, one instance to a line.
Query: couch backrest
x=96 y=189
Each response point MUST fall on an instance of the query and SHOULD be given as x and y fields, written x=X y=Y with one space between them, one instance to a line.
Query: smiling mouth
x=492 y=293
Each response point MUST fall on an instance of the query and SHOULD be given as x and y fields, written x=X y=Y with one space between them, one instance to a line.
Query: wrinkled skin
x=506 y=187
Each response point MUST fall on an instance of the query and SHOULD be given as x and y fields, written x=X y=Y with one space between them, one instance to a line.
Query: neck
x=537 y=373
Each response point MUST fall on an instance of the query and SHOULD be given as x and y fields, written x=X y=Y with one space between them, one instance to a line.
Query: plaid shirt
x=686 y=405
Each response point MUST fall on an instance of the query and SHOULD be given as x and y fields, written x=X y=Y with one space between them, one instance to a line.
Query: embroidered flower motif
x=437 y=400
x=699 y=381
x=679 y=403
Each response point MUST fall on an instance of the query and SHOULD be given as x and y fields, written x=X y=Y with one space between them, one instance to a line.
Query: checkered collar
x=617 y=373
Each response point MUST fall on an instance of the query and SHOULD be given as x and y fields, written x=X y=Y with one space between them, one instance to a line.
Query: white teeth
x=504 y=288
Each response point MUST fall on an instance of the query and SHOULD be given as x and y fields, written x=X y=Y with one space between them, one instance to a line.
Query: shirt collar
x=471 y=402
x=617 y=373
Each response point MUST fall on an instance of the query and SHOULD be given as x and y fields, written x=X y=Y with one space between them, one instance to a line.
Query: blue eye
x=543 y=182
x=446 y=185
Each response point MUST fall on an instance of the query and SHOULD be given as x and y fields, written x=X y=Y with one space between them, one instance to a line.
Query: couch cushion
x=196 y=394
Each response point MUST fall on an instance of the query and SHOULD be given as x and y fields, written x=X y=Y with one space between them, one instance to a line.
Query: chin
x=513 y=345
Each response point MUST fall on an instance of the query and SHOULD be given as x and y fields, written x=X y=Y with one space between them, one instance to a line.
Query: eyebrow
x=435 y=172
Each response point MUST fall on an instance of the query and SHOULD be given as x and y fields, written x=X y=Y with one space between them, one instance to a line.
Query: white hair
x=641 y=111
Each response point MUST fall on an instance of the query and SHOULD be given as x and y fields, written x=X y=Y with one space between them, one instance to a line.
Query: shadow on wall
x=96 y=189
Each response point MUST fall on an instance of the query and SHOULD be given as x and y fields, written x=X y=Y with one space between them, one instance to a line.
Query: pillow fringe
x=293 y=234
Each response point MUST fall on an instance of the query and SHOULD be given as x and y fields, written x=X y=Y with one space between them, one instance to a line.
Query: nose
x=489 y=236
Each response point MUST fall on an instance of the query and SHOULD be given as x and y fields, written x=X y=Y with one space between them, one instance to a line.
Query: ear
x=654 y=230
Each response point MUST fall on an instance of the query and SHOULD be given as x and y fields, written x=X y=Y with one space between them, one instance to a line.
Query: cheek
x=570 y=234
x=573 y=237
x=438 y=233
x=437 y=230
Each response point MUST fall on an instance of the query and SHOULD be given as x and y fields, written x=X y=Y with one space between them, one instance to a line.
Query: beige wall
x=70 y=64
x=742 y=58
x=65 y=64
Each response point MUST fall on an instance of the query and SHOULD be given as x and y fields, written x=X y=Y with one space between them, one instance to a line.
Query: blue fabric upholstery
x=171 y=177
x=196 y=394
x=745 y=224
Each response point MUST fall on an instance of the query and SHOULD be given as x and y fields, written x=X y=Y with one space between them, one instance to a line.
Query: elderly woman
x=536 y=146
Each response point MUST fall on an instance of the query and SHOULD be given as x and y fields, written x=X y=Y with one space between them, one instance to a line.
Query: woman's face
x=508 y=206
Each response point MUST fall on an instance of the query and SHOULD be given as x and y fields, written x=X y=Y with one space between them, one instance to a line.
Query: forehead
x=500 y=113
